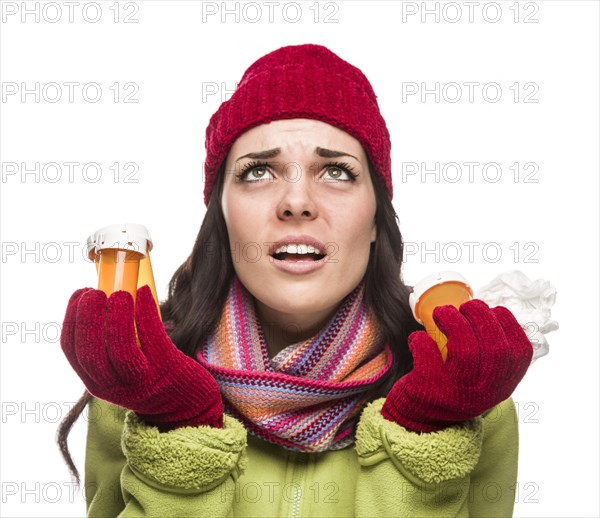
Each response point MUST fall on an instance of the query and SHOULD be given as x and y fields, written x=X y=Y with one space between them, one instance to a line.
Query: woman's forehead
x=300 y=133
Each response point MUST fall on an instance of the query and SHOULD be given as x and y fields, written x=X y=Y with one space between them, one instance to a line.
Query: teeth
x=297 y=249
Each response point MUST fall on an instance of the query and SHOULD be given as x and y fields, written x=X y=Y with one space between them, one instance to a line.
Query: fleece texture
x=432 y=457
x=186 y=459
x=135 y=470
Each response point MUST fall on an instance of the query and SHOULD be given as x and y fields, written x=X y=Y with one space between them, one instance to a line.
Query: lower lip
x=299 y=267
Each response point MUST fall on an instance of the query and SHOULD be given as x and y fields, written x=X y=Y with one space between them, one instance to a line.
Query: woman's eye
x=339 y=173
x=254 y=174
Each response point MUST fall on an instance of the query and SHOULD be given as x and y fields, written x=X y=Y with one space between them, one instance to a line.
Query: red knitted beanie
x=300 y=82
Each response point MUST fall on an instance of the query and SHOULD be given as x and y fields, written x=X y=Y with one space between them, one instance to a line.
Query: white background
x=171 y=55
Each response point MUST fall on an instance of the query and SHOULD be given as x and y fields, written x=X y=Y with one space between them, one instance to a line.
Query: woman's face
x=299 y=197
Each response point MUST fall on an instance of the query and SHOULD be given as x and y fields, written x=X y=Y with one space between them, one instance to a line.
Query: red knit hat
x=300 y=82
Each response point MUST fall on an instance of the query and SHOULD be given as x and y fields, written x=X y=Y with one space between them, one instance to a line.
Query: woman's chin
x=298 y=297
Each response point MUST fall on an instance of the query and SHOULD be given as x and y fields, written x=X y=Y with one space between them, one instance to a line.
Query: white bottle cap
x=91 y=247
x=433 y=280
x=125 y=236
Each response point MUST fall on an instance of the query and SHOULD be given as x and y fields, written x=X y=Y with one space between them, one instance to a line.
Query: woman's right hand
x=161 y=384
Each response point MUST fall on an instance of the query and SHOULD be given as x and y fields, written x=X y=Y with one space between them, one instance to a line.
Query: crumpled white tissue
x=529 y=301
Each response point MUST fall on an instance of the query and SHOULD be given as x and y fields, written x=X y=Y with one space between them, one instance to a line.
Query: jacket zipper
x=303 y=462
x=296 y=477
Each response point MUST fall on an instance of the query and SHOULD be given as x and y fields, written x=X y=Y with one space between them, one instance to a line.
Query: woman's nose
x=296 y=198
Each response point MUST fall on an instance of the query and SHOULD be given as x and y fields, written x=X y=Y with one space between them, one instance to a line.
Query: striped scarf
x=308 y=397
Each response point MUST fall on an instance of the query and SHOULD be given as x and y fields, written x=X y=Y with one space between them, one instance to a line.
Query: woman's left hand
x=488 y=355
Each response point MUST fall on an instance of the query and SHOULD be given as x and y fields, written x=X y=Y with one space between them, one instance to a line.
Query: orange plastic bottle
x=439 y=289
x=145 y=275
x=122 y=256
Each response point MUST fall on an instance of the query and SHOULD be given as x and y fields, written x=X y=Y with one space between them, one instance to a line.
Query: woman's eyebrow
x=269 y=153
x=321 y=151
x=330 y=153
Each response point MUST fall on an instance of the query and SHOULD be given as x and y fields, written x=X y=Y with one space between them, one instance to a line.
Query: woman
x=290 y=321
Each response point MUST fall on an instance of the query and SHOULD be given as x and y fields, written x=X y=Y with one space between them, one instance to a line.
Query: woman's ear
x=374 y=232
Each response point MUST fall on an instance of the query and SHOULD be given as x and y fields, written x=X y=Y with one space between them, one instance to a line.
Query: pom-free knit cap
x=300 y=82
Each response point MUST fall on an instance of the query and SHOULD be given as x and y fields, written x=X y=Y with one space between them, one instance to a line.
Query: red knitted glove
x=158 y=382
x=488 y=355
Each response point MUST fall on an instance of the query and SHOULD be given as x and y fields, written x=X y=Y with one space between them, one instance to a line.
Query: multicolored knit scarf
x=308 y=397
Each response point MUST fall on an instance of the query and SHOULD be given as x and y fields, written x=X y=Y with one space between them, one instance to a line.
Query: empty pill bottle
x=123 y=259
x=439 y=289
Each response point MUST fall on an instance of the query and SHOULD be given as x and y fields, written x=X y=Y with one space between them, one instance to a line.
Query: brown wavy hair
x=198 y=289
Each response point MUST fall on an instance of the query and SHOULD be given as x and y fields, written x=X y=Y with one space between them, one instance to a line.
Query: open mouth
x=297 y=253
x=285 y=256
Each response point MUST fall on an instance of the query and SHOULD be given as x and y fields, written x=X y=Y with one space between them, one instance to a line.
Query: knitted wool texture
x=165 y=387
x=308 y=397
x=300 y=81
x=488 y=355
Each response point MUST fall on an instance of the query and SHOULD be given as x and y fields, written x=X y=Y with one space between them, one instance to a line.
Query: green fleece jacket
x=132 y=469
